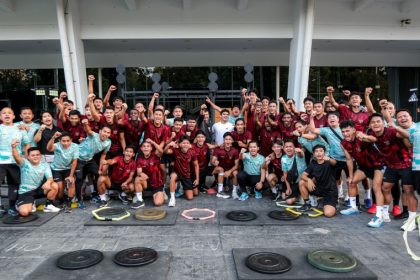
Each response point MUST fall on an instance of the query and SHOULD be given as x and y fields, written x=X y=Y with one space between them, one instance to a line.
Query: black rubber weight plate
x=332 y=261
x=242 y=216
x=19 y=219
x=111 y=212
x=268 y=263
x=136 y=256
x=80 y=259
x=282 y=215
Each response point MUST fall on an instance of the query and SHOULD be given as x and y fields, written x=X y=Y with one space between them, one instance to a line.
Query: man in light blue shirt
x=253 y=174
x=27 y=124
x=33 y=172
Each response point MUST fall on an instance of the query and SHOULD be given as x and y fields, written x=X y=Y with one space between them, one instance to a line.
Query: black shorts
x=339 y=167
x=60 y=175
x=167 y=158
x=187 y=183
x=370 y=172
x=29 y=197
x=156 y=190
x=111 y=155
x=329 y=195
x=393 y=175
x=295 y=190
x=116 y=186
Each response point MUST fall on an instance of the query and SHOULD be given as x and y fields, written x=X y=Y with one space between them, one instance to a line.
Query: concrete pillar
x=65 y=50
x=278 y=86
x=99 y=81
x=300 y=50
x=77 y=53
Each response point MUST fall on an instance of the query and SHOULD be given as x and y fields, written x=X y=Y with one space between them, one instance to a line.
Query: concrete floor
x=203 y=249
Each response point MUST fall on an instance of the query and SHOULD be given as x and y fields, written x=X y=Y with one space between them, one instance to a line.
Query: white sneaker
x=222 y=194
x=385 y=217
x=235 y=194
x=33 y=208
x=409 y=224
x=313 y=201
x=51 y=209
x=172 y=202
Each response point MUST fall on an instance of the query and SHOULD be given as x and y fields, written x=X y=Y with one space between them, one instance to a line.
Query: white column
x=300 y=51
x=77 y=53
x=100 y=91
x=65 y=52
x=278 y=86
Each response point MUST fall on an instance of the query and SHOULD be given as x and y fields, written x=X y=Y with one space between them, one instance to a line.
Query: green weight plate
x=332 y=260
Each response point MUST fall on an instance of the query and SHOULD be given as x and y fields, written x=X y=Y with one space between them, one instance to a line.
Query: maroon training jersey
x=132 y=132
x=201 y=153
x=360 y=119
x=115 y=134
x=392 y=149
x=267 y=138
x=320 y=122
x=244 y=137
x=183 y=162
x=226 y=158
x=121 y=170
x=362 y=153
x=76 y=132
x=158 y=134
x=150 y=167
x=275 y=166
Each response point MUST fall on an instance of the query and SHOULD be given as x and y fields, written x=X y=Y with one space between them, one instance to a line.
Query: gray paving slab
x=203 y=249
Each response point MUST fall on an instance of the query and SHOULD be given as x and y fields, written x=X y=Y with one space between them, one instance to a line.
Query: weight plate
x=282 y=215
x=156 y=77
x=79 y=259
x=150 y=214
x=213 y=77
x=120 y=68
x=212 y=86
x=165 y=86
x=110 y=213
x=269 y=263
x=136 y=256
x=120 y=78
x=332 y=261
x=14 y=220
x=248 y=77
x=241 y=216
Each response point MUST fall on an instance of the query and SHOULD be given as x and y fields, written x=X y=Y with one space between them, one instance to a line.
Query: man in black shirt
x=318 y=180
x=44 y=134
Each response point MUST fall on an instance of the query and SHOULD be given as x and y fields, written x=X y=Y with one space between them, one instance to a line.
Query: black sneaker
x=67 y=209
x=123 y=199
x=403 y=215
x=304 y=208
x=102 y=203
x=137 y=204
x=275 y=196
x=202 y=190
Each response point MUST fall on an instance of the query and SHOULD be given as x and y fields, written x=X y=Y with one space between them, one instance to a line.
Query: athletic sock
x=235 y=188
x=172 y=195
x=405 y=209
x=379 y=211
x=368 y=193
x=412 y=214
x=353 y=202
x=274 y=190
x=386 y=208
x=102 y=197
x=219 y=187
x=139 y=195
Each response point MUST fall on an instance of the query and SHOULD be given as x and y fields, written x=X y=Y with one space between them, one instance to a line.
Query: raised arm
x=312 y=127
x=368 y=102
x=38 y=134
x=50 y=145
x=152 y=105
x=214 y=106
x=15 y=152
x=330 y=93
x=107 y=97
x=158 y=148
x=95 y=115
x=86 y=127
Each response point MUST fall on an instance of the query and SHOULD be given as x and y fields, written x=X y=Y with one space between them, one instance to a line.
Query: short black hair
x=224 y=110
x=402 y=110
x=317 y=147
x=31 y=149
x=355 y=93
x=253 y=141
x=278 y=142
x=97 y=98
x=373 y=116
x=310 y=99
x=46 y=112
x=288 y=140
x=347 y=123
x=118 y=97
x=159 y=110
x=74 y=113
x=109 y=108
x=178 y=120
x=130 y=147
x=191 y=117
x=227 y=134
x=239 y=119
x=335 y=113
x=107 y=126
x=25 y=108
x=183 y=138
x=65 y=134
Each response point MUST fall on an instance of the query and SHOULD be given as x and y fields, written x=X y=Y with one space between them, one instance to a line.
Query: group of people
x=254 y=149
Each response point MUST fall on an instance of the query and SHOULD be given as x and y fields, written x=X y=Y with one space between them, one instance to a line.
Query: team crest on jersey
x=386 y=143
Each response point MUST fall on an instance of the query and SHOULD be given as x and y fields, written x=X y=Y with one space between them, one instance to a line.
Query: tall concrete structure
x=75 y=34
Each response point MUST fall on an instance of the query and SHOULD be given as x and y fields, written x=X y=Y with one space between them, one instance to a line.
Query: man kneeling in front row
x=318 y=180
x=33 y=172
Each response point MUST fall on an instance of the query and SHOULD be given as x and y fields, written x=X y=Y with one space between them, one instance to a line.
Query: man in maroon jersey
x=133 y=128
x=190 y=129
x=275 y=173
x=287 y=126
x=72 y=125
x=120 y=178
x=176 y=130
x=355 y=146
x=160 y=133
x=397 y=159
x=202 y=150
x=241 y=137
x=320 y=119
x=149 y=175
x=108 y=119
x=268 y=136
x=225 y=159
x=353 y=111
x=184 y=155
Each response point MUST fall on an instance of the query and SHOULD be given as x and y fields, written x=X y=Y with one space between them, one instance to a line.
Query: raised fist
x=91 y=77
x=330 y=89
